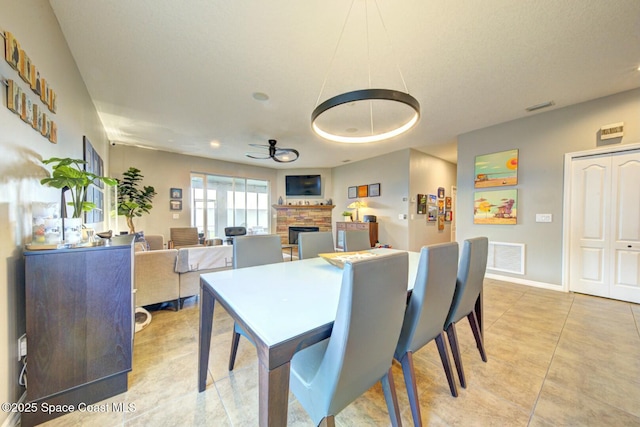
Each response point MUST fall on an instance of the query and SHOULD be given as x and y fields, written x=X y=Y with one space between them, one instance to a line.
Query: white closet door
x=605 y=226
x=625 y=227
x=590 y=207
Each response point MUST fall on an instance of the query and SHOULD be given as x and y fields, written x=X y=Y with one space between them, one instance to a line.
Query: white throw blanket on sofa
x=203 y=258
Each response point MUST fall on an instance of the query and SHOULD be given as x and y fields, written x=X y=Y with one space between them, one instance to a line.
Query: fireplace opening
x=294 y=231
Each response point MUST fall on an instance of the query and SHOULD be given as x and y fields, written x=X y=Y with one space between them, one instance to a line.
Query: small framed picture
x=448 y=216
x=440 y=192
x=363 y=190
x=447 y=203
x=352 y=192
x=374 y=190
x=175 y=205
x=176 y=193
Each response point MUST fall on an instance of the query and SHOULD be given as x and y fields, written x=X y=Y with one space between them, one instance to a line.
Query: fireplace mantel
x=278 y=207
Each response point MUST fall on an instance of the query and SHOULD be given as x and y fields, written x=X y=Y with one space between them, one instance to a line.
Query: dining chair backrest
x=356 y=240
x=310 y=244
x=473 y=263
x=359 y=352
x=250 y=251
x=431 y=297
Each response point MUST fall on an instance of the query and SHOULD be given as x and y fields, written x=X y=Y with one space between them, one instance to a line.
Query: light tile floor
x=554 y=359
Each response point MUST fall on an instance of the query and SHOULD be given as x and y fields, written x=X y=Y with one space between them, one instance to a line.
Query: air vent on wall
x=507 y=257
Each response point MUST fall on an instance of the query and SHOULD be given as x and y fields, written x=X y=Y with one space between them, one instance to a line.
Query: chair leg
x=412 y=389
x=475 y=327
x=234 y=349
x=446 y=364
x=328 y=421
x=455 y=351
x=389 y=389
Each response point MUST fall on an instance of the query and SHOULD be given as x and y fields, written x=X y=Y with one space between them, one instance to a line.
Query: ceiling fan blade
x=259 y=156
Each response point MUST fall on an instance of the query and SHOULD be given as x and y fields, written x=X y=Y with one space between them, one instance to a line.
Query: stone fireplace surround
x=301 y=216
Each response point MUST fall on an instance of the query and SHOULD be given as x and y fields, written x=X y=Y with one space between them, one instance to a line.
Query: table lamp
x=357 y=205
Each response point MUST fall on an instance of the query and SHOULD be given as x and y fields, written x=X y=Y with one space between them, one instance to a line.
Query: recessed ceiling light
x=351 y=130
x=540 y=106
x=214 y=144
x=346 y=161
x=260 y=96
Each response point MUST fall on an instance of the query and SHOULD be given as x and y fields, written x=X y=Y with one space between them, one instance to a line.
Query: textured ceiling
x=179 y=75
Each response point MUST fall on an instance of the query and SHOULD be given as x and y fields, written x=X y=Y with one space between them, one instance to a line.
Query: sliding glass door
x=222 y=201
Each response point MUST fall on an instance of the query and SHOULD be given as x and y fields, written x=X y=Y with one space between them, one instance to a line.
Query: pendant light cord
x=404 y=83
x=335 y=52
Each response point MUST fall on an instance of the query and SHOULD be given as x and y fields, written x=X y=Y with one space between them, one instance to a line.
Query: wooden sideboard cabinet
x=79 y=313
x=341 y=227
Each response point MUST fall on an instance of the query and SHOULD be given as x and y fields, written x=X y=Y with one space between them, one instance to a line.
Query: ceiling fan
x=280 y=155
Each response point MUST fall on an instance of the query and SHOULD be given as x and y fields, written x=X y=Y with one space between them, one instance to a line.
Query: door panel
x=590 y=204
x=625 y=252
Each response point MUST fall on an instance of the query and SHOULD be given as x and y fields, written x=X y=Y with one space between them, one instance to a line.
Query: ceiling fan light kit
x=378 y=120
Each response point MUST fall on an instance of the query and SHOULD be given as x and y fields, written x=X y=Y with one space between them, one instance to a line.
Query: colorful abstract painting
x=497 y=169
x=495 y=207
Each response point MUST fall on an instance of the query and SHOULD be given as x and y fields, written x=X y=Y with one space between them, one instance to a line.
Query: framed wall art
x=432 y=213
x=176 y=193
x=440 y=193
x=363 y=190
x=374 y=190
x=352 y=192
x=422 y=204
x=175 y=205
x=495 y=207
x=497 y=169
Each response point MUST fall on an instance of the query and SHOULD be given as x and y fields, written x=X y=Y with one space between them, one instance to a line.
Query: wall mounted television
x=303 y=185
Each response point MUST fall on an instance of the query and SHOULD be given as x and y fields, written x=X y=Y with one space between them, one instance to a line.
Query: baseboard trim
x=13 y=419
x=520 y=281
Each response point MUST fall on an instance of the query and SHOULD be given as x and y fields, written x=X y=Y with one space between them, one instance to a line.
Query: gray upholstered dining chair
x=310 y=244
x=425 y=315
x=250 y=251
x=473 y=263
x=356 y=240
x=326 y=377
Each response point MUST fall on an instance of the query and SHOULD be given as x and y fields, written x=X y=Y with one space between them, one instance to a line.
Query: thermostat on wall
x=614 y=130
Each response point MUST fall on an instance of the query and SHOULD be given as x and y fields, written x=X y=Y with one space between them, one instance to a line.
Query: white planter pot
x=73 y=230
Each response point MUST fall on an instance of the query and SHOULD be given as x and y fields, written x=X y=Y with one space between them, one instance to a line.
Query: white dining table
x=283 y=307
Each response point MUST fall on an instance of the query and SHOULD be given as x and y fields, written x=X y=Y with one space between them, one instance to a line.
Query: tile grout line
x=533 y=409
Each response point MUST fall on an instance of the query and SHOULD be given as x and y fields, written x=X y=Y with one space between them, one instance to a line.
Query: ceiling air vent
x=540 y=106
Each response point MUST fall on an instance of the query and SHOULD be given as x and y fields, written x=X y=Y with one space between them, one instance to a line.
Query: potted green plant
x=346 y=214
x=69 y=174
x=133 y=201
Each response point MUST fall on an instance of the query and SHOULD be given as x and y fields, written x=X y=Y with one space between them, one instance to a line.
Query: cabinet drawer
x=362 y=226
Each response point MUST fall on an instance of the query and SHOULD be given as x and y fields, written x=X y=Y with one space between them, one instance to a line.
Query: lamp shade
x=357 y=205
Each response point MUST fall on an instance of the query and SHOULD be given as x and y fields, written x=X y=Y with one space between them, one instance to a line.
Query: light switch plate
x=176 y=216
x=544 y=217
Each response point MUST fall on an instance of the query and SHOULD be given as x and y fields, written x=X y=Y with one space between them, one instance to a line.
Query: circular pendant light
x=365 y=115
x=364 y=95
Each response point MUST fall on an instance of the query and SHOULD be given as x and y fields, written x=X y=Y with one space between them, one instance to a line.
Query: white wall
x=33 y=24
x=427 y=175
x=163 y=170
x=542 y=141
x=401 y=175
